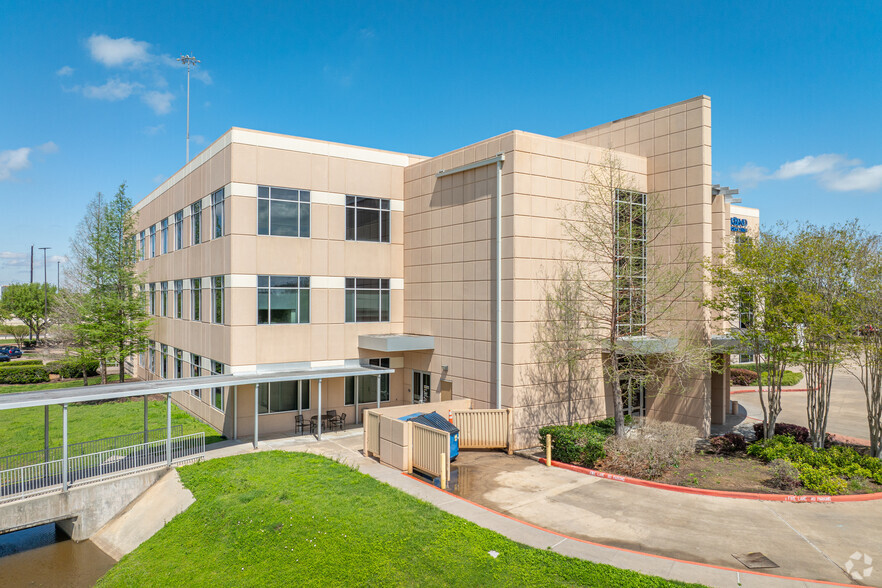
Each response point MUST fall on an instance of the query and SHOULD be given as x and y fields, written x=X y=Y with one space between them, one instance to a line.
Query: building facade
x=275 y=252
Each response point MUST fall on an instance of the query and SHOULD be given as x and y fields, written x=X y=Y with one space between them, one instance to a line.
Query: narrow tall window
x=630 y=256
x=217 y=212
x=217 y=299
x=367 y=219
x=196 y=221
x=282 y=300
x=143 y=245
x=179 y=230
x=217 y=394
x=163 y=299
x=179 y=298
x=196 y=371
x=153 y=241
x=179 y=363
x=164 y=235
x=153 y=298
x=367 y=300
x=151 y=356
x=163 y=360
x=283 y=212
x=196 y=298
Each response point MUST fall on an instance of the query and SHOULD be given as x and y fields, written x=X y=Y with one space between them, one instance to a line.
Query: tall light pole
x=58 y=275
x=189 y=61
x=45 y=286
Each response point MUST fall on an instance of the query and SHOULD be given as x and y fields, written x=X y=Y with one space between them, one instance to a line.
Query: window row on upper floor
x=280 y=299
x=283 y=212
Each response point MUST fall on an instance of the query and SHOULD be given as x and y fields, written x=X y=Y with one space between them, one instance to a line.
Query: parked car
x=4 y=357
x=10 y=350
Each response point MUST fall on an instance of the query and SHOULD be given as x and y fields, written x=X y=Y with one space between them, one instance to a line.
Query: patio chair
x=339 y=421
x=313 y=424
x=300 y=424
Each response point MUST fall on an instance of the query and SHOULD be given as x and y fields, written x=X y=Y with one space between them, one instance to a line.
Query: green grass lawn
x=21 y=429
x=279 y=519
x=14 y=388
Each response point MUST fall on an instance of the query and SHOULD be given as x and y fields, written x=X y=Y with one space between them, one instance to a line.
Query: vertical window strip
x=179 y=230
x=217 y=213
x=196 y=222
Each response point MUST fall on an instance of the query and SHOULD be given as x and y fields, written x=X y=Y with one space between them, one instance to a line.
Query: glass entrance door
x=633 y=398
x=422 y=387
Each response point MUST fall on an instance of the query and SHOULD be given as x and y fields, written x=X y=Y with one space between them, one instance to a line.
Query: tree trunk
x=85 y=377
x=103 y=371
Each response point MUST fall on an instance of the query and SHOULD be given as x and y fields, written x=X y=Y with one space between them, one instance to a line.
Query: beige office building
x=269 y=252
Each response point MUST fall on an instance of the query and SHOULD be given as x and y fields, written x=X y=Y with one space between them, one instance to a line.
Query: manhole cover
x=754 y=560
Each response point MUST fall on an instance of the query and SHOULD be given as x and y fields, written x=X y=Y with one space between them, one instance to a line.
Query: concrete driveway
x=848 y=406
x=813 y=541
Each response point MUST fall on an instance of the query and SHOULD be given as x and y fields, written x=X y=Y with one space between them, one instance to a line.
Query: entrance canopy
x=147 y=388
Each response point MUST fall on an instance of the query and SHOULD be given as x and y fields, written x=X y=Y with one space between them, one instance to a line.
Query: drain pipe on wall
x=497 y=159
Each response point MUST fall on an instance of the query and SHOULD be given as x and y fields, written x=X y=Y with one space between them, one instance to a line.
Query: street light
x=189 y=61
x=45 y=285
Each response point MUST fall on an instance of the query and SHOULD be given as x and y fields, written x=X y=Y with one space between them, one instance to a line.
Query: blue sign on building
x=738 y=225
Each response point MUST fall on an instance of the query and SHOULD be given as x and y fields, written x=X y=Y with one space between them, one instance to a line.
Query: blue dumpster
x=436 y=421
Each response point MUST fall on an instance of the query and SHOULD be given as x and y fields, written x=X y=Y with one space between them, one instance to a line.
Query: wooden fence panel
x=482 y=429
x=371 y=433
x=428 y=444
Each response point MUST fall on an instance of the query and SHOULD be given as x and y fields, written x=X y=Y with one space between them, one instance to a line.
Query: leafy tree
x=17 y=332
x=752 y=289
x=110 y=322
x=625 y=293
x=28 y=303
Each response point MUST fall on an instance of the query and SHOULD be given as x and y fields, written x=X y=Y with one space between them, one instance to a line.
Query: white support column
x=64 y=464
x=379 y=379
x=236 y=412
x=319 y=423
x=255 y=415
x=46 y=433
x=146 y=426
x=168 y=452
x=356 y=403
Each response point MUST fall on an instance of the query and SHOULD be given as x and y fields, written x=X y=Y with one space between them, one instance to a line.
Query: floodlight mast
x=189 y=61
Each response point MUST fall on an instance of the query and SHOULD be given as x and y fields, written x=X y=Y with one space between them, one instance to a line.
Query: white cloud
x=65 y=71
x=48 y=147
x=113 y=90
x=118 y=52
x=160 y=102
x=832 y=171
x=155 y=130
x=198 y=139
x=57 y=258
x=158 y=179
x=13 y=259
x=13 y=160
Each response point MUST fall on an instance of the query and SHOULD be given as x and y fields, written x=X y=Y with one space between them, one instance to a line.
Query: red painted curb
x=782 y=390
x=664 y=557
x=716 y=493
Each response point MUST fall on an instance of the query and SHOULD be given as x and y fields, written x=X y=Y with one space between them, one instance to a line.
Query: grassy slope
x=21 y=429
x=277 y=519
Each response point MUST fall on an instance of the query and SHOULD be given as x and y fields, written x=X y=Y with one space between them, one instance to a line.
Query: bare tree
x=626 y=292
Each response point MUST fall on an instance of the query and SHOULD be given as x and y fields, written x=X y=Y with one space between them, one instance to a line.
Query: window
x=217 y=299
x=630 y=262
x=143 y=245
x=217 y=212
x=179 y=298
x=179 y=230
x=153 y=298
x=164 y=235
x=283 y=397
x=217 y=394
x=196 y=221
x=179 y=363
x=367 y=219
x=153 y=241
x=367 y=300
x=196 y=298
x=282 y=211
x=367 y=386
x=163 y=299
x=163 y=360
x=282 y=300
x=151 y=356
x=195 y=369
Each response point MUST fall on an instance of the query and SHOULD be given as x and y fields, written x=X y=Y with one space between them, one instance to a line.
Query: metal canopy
x=147 y=388
x=392 y=343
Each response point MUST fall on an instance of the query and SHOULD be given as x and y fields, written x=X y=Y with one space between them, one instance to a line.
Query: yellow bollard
x=443 y=472
x=548 y=450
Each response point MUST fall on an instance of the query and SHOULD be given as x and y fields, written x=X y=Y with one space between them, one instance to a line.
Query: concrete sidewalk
x=565 y=511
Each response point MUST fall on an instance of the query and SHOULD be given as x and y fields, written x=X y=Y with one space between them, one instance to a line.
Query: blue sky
x=91 y=95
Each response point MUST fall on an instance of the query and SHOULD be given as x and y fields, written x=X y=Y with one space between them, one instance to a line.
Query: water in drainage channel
x=46 y=556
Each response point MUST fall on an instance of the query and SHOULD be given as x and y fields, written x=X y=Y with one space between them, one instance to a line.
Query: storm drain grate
x=754 y=560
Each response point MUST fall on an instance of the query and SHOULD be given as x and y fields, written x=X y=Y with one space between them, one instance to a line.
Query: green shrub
x=23 y=374
x=73 y=367
x=580 y=444
x=788 y=379
x=784 y=475
x=26 y=362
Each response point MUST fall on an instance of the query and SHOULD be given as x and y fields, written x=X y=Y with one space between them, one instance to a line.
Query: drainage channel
x=46 y=556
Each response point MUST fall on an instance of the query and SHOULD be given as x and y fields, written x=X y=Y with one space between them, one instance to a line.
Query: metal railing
x=19 y=460
x=96 y=467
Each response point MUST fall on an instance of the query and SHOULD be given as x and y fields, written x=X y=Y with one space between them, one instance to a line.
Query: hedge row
x=73 y=368
x=23 y=374
x=26 y=362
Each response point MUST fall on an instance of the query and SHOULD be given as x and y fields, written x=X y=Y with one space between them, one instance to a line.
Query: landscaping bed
x=664 y=453
x=277 y=518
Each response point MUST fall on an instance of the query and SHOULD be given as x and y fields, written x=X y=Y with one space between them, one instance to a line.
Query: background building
x=271 y=252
